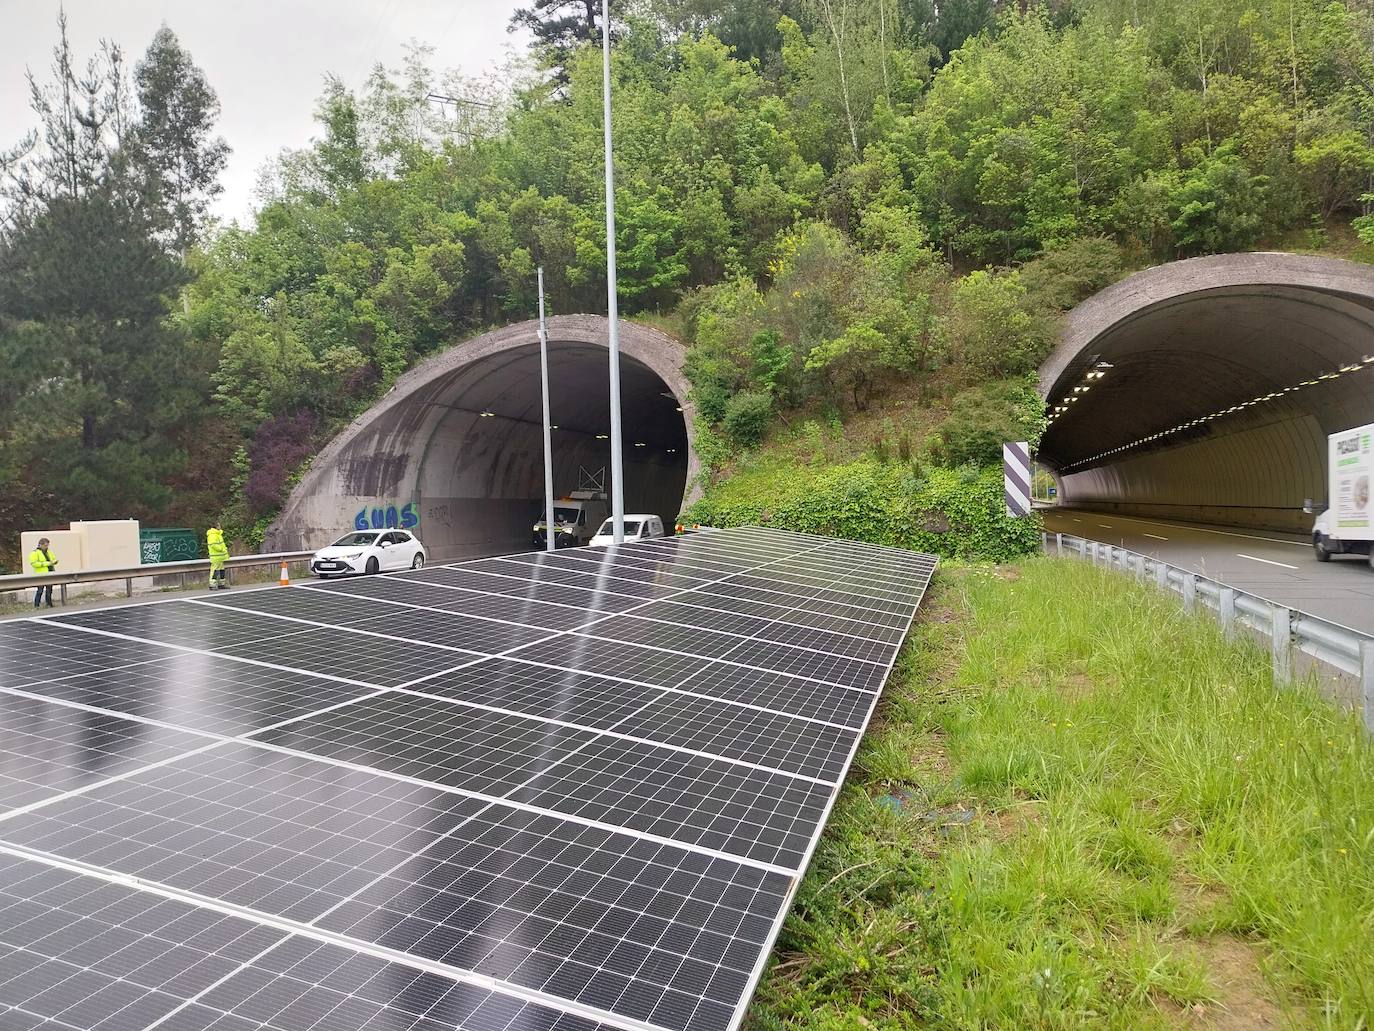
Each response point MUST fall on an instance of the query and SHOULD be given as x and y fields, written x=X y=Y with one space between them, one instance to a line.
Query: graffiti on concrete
x=439 y=514
x=387 y=517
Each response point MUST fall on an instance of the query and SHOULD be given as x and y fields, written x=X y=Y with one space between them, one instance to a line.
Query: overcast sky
x=265 y=58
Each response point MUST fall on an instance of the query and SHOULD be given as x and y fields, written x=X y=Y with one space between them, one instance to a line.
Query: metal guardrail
x=1291 y=633
x=27 y=581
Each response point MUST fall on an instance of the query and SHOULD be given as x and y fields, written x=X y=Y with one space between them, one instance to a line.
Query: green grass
x=1080 y=808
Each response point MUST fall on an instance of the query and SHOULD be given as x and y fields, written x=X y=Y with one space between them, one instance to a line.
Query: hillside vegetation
x=837 y=204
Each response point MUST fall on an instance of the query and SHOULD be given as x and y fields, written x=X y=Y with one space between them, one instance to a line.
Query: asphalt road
x=1280 y=567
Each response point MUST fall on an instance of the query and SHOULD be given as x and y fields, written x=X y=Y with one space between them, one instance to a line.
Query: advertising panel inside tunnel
x=455 y=453
x=1205 y=390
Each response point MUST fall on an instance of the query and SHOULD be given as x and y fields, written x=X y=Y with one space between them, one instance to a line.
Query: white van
x=637 y=528
x=574 y=518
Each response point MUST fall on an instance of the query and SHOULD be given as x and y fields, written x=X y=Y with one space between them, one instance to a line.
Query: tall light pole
x=549 y=541
x=617 y=465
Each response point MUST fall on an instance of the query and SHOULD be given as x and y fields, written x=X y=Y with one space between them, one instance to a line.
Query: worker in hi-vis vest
x=41 y=560
x=219 y=551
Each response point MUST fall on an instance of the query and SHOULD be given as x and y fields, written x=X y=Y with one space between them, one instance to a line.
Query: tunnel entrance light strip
x=1364 y=364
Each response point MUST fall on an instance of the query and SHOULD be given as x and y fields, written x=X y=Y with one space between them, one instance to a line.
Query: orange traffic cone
x=285 y=580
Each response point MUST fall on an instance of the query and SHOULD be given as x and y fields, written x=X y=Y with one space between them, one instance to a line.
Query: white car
x=637 y=528
x=369 y=551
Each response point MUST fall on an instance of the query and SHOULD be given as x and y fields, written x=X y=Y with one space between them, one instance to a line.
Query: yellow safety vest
x=42 y=561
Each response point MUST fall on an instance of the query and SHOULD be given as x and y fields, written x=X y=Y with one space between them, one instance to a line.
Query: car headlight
x=356 y=554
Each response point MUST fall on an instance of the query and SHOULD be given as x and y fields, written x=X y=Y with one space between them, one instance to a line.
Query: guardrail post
x=1367 y=682
x=1059 y=544
x=1226 y=612
x=1189 y=592
x=1281 y=642
x=62 y=588
x=1162 y=574
x=128 y=587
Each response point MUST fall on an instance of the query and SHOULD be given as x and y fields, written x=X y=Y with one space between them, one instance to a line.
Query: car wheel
x=372 y=565
x=1322 y=551
x=419 y=562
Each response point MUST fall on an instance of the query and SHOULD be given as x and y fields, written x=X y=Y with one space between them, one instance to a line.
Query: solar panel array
x=530 y=793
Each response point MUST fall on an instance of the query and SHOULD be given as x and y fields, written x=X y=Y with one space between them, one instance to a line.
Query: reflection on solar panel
x=532 y=793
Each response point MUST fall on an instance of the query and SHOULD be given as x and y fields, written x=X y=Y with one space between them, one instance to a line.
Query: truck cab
x=576 y=519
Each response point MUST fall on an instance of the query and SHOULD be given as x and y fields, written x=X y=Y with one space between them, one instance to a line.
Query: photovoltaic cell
x=282 y=834
x=47 y=749
x=32 y=651
x=541 y=691
x=209 y=693
x=590 y=779
x=435 y=740
x=81 y=954
x=691 y=799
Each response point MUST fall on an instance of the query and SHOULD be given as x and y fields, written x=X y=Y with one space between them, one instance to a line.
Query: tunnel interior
x=481 y=471
x=1208 y=397
x=455 y=450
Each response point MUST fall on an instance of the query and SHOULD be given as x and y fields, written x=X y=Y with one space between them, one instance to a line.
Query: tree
x=173 y=139
x=560 y=28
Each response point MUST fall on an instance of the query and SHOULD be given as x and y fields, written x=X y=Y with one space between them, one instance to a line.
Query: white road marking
x=1155 y=536
x=1266 y=561
x=1105 y=526
x=1223 y=533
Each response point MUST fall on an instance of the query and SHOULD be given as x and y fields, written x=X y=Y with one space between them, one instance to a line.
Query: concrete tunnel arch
x=456 y=446
x=1226 y=375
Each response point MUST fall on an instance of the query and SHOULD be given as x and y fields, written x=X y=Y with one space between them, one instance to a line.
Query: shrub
x=953 y=513
x=747 y=415
x=278 y=447
x=985 y=417
x=1069 y=274
x=998 y=331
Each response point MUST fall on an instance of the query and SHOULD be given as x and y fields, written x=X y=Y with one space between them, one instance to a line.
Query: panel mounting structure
x=539 y=792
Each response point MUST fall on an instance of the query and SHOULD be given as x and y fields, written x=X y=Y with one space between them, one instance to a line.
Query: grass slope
x=1080 y=808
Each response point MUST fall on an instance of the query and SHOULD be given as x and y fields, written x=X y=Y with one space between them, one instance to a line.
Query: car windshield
x=355 y=540
x=608 y=527
x=565 y=515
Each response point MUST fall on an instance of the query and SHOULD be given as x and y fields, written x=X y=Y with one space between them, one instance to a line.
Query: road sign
x=1016 y=476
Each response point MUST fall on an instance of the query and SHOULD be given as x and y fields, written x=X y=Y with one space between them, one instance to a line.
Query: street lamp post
x=617 y=465
x=549 y=542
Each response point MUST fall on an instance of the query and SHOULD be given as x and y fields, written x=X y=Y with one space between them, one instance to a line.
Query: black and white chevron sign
x=1016 y=474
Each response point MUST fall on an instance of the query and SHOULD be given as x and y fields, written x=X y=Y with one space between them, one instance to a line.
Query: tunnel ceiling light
x=640 y=443
x=1365 y=364
x=603 y=436
x=672 y=451
x=488 y=415
x=679 y=408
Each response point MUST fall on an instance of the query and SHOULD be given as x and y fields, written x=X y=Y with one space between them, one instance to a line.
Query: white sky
x=265 y=58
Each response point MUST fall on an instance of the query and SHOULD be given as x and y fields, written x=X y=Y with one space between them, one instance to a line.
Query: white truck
x=1346 y=527
x=575 y=517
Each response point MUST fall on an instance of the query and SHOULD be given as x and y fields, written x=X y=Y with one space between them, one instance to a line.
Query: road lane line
x=1266 y=561
x=1105 y=526
x=1155 y=536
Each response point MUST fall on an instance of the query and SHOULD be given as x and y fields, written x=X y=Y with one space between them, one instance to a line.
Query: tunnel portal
x=455 y=449
x=1204 y=390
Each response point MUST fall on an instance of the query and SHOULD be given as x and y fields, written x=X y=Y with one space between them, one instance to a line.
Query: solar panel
x=558 y=792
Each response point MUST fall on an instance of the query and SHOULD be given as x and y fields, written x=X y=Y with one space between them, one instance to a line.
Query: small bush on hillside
x=747 y=415
x=998 y=331
x=1065 y=276
x=278 y=447
x=985 y=417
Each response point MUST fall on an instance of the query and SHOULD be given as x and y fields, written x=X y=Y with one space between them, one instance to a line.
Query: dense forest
x=822 y=197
